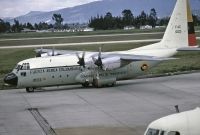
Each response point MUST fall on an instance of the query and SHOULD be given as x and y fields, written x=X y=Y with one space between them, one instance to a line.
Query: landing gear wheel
x=29 y=90
x=86 y=84
x=113 y=84
x=96 y=84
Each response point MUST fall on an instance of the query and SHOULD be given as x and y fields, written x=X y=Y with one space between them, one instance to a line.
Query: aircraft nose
x=11 y=79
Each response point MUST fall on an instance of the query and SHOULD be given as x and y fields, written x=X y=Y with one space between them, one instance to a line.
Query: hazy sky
x=13 y=8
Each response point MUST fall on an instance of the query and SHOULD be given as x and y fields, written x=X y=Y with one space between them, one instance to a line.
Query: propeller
x=81 y=60
x=38 y=53
x=53 y=51
x=98 y=61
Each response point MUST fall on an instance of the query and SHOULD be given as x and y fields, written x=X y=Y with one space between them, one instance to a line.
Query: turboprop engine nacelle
x=111 y=63
x=49 y=54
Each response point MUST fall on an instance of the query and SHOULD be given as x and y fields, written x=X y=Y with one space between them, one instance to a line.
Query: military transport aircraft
x=62 y=67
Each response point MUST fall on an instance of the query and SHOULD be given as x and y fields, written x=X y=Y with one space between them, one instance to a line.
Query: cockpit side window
x=173 y=133
x=25 y=66
x=152 y=131
x=28 y=66
x=162 y=132
x=18 y=67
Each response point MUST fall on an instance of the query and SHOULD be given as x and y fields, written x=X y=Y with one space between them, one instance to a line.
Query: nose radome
x=11 y=79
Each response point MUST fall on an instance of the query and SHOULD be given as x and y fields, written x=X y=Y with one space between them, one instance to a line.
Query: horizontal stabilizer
x=196 y=48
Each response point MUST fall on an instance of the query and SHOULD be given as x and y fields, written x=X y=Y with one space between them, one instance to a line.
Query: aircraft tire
x=113 y=84
x=96 y=85
x=29 y=90
x=86 y=84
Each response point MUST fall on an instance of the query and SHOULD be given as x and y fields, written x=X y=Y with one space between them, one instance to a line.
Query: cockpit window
x=152 y=132
x=162 y=132
x=18 y=67
x=173 y=133
x=24 y=66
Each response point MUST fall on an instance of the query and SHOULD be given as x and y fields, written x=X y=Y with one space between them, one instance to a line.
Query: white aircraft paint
x=184 y=123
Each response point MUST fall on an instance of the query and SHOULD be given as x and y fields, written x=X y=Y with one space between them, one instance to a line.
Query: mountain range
x=82 y=13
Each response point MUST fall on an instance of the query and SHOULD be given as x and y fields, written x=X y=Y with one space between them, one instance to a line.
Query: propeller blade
x=83 y=54
x=98 y=61
x=41 y=49
x=77 y=54
x=94 y=59
x=99 y=56
x=81 y=60
x=39 y=52
x=53 y=51
x=97 y=74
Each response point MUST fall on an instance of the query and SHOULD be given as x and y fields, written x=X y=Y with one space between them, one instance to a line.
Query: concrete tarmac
x=125 y=109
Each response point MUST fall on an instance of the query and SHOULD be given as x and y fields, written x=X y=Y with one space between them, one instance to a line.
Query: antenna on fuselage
x=177 y=108
x=53 y=51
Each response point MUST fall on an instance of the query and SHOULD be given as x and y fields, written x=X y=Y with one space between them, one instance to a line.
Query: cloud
x=13 y=8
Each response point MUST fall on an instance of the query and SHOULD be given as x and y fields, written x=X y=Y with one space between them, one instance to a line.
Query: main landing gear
x=86 y=84
x=98 y=83
x=29 y=90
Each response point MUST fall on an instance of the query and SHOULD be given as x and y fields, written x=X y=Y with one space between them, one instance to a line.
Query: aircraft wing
x=58 y=52
x=110 y=61
x=124 y=57
x=144 y=58
x=132 y=57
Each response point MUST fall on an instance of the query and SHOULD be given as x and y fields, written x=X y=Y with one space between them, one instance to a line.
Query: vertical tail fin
x=176 y=34
x=180 y=30
x=179 y=34
x=191 y=32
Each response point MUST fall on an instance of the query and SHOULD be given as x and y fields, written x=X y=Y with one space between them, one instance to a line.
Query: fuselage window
x=23 y=73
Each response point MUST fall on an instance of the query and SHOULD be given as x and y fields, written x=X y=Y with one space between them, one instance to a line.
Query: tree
x=4 y=26
x=58 y=20
x=196 y=20
x=29 y=26
x=43 y=26
x=127 y=17
x=16 y=26
x=36 y=26
x=143 y=18
x=8 y=27
x=164 y=21
x=108 y=21
x=153 y=18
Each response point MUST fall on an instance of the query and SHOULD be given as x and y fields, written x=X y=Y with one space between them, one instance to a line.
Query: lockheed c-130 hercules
x=105 y=68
